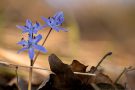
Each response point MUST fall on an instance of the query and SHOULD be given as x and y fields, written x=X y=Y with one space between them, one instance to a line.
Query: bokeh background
x=94 y=28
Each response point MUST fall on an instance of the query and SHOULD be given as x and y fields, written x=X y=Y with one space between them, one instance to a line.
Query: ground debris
x=63 y=77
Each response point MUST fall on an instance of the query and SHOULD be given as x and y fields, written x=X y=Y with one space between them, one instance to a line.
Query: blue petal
x=30 y=39
x=59 y=18
x=30 y=32
x=35 y=30
x=63 y=29
x=52 y=22
x=45 y=19
x=36 y=27
x=40 y=48
x=56 y=29
x=48 y=22
x=38 y=38
x=23 y=28
x=59 y=28
x=44 y=26
x=23 y=42
x=58 y=14
x=24 y=31
x=23 y=49
x=28 y=23
x=31 y=53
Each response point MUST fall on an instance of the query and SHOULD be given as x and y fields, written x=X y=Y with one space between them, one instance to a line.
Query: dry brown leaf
x=76 y=66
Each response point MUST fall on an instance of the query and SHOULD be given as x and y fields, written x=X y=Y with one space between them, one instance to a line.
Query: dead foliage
x=63 y=77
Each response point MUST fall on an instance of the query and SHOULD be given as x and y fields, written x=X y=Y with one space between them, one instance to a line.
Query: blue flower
x=30 y=28
x=32 y=44
x=55 y=22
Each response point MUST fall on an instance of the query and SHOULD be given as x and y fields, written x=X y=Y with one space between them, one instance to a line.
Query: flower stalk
x=42 y=45
x=30 y=76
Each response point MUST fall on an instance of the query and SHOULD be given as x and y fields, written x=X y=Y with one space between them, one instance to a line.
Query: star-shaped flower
x=30 y=28
x=55 y=22
x=32 y=44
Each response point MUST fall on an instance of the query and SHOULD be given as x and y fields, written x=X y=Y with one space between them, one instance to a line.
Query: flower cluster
x=31 y=44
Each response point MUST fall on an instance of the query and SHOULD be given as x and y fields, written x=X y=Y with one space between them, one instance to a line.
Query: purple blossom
x=30 y=28
x=31 y=44
x=55 y=22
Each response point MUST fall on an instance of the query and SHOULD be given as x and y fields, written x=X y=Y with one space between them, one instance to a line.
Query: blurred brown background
x=95 y=28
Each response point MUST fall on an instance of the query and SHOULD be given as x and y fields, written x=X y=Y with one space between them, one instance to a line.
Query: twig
x=124 y=70
x=118 y=78
x=22 y=66
x=126 y=73
x=108 y=54
x=90 y=74
x=130 y=69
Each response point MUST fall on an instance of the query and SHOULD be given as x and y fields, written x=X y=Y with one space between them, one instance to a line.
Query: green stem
x=30 y=76
x=42 y=45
